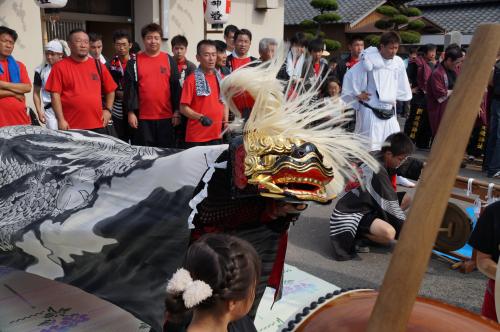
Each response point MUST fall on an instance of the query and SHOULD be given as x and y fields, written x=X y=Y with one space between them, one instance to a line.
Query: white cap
x=54 y=46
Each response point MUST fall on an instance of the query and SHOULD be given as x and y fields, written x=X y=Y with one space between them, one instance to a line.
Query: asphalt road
x=309 y=249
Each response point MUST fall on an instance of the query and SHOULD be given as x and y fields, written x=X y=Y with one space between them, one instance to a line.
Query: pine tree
x=397 y=18
x=327 y=15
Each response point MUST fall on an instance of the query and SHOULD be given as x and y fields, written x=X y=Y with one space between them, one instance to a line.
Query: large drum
x=349 y=311
x=455 y=229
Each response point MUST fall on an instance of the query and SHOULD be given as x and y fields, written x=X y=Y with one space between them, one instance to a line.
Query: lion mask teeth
x=283 y=167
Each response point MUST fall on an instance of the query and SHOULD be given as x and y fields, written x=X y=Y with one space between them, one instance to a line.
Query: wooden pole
x=411 y=255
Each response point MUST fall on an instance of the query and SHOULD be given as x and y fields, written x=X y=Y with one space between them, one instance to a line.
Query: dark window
x=99 y=7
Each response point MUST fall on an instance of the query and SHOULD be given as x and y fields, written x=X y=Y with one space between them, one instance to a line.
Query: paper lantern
x=216 y=12
x=51 y=3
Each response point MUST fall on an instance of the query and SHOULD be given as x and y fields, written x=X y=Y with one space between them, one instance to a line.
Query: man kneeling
x=376 y=211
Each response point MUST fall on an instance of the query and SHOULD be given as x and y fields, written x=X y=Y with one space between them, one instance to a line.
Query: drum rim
x=442 y=244
x=315 y=305
x=293 y=323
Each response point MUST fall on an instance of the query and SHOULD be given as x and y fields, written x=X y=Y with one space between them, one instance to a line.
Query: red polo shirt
x=12 y=110
x=238 y=62
x=210 y=106
x=79 y=85
x=154 y=86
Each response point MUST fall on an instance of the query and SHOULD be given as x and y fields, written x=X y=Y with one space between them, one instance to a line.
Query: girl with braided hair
x=216 y=286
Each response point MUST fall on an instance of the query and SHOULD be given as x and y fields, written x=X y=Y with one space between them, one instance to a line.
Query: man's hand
x=284 y=209
x=132 y=120
x=205 y=121
x=106 y=116
x=41 y=117
x=62 y=124
x=364 y=96
x=176 y=119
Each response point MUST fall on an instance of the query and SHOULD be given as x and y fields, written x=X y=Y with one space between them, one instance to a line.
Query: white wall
x=145 y=12
x=186 y=18
x=24 y=17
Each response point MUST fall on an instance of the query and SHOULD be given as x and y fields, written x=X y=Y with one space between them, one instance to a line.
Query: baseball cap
x=54 y=46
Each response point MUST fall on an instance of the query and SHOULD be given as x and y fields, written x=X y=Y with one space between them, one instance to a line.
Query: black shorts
x=108 y=130
x=367 y=220
x=156 y=133
x=188 y=145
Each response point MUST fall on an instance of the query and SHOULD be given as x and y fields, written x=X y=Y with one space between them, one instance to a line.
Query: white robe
x=50 y=116
x=294 y=70
x=372 y=74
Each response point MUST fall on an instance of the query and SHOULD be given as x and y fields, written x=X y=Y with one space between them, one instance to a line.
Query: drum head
x=455 y=229
x=350 y=312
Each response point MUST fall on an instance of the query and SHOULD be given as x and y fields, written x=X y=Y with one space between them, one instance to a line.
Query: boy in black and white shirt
x=375 y=212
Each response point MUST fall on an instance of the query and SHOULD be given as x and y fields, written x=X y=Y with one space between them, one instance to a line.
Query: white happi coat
x=387 y=82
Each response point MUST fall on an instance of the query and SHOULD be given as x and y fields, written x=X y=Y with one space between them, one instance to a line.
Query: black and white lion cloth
x=91 y=211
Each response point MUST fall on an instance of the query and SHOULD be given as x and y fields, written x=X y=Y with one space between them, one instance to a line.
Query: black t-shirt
x=411 y=71
x=486 y=234
x=38 y=79
x=452 y=77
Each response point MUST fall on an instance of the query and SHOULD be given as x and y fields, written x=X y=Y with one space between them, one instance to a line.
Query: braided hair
x=229 y=265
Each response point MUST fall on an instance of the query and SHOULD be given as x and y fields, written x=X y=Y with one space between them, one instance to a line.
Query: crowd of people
x=148 y=97
x=145 y=97
x=151 y=98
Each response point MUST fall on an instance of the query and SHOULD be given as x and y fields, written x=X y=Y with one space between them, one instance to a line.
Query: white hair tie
x=193 y=291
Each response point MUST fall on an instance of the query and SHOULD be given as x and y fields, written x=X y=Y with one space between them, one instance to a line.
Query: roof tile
x=464 y=18
x=349 y=10
x=445 y=2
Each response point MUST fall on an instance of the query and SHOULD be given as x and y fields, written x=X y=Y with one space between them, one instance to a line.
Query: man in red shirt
x=179 y=48
x=201 y=101
x=356 y=46
x=14 y=82
x=240 y=57
x=76 y=85
x=152 y=92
